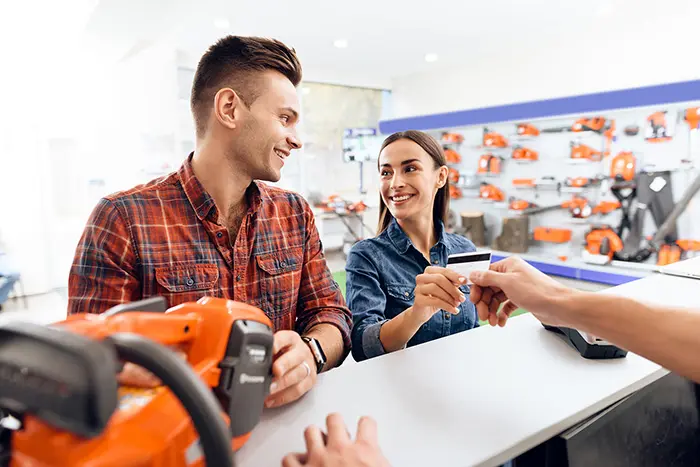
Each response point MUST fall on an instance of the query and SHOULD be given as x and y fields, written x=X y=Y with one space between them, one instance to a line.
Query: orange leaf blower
x=60 y=381
x=602 y=240
x=623 y=167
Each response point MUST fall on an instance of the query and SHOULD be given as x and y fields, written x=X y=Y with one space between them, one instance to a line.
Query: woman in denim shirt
x=398 y=288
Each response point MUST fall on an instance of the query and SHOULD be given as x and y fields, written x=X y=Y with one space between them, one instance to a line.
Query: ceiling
x=386 y=38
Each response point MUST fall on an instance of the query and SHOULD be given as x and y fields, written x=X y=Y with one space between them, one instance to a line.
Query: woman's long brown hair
x=441 y=205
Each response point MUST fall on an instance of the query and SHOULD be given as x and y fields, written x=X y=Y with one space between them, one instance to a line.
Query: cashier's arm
x=665 y=335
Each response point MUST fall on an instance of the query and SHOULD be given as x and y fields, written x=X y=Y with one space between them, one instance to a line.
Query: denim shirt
x=381 y=278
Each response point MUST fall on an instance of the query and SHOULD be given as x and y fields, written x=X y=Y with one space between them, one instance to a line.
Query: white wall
x=558 y=69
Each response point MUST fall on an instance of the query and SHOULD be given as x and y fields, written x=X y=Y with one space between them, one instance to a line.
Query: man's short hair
x=233 y=62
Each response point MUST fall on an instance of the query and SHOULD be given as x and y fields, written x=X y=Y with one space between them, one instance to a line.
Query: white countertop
x=476 y=398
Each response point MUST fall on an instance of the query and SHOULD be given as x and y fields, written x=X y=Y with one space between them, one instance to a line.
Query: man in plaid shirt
x=214 y=229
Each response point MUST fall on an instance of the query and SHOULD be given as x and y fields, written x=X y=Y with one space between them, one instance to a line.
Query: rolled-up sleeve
x=320 y=299
x=367 y=301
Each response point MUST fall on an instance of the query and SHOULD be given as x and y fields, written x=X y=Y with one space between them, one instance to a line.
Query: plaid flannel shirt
x=162 y=239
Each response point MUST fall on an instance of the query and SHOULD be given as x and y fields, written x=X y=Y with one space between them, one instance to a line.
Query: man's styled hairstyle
x=234 y=62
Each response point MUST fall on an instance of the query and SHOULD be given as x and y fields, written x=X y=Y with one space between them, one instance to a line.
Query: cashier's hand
x=337 y=449
x=515 y=284
x=437 y=289
x=293 y=369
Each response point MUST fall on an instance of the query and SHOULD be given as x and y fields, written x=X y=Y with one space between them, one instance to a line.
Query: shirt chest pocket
x=280 y=277
x=399 y=297
x=185 y=283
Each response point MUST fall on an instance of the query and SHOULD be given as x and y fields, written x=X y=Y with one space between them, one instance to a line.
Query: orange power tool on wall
x=60 y=382
x=584 y=152
x=491 y=192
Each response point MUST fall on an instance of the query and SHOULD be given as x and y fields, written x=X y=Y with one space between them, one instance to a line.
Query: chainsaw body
x=527 y=129
x=228 y=346
x=491 y=193
x=489 y=164
x=524 y=154
x=584 y=152
x=492 y=139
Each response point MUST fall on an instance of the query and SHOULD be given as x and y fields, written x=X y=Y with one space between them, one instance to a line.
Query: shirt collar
x=203 y=203
x=398 y=236
x=401 y=240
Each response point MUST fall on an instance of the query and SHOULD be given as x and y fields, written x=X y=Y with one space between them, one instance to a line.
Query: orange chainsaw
x=527 y=129
x=452 y=156
x=60 y=382
x=447 y=137
x=596 y=124
x=520 y=204
x=492 y=139
x=453 y=175
x=524 y=154
x=491 y=192
x=489 y=164
x=455 y=192
x=584 y=152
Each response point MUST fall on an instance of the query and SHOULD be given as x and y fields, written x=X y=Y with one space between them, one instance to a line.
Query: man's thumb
x=487 y=278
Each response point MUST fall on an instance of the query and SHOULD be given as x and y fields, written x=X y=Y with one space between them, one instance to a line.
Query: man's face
x=267 y=133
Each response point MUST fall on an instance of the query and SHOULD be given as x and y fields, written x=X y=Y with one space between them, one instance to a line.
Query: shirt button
x=283 y=264
x=447 y=315
x=219 y=234
x=435 y=261
x=189 y=282
x=406 y=294
x=238 y=278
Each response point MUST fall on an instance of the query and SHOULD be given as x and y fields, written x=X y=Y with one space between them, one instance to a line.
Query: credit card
x=464 y=263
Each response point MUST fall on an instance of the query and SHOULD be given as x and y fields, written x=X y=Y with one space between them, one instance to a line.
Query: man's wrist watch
x=317 y=352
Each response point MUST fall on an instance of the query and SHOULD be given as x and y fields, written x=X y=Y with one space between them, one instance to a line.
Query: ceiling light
x=221 y=23
x=340 y=43
x=431 y=57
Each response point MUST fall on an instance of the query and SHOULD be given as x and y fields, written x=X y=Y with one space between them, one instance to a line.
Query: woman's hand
x=437 y=289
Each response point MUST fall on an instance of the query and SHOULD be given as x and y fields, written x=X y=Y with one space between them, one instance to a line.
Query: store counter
x=615 y=273
x=477 y=398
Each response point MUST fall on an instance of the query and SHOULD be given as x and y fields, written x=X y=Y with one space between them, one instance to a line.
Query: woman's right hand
x=437 y=289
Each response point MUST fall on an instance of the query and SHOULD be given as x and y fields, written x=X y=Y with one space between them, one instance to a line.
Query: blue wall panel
x=598 y=102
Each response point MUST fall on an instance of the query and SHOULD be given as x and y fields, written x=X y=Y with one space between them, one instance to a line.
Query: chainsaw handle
x=195 y=396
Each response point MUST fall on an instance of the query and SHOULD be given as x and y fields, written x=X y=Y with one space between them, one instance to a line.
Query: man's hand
x=516 y=284
x=293 y=369
x=437 y=288
x=134 y=375
x=337 y=449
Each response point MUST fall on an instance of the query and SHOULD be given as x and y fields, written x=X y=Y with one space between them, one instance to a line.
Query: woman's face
x=408 y=179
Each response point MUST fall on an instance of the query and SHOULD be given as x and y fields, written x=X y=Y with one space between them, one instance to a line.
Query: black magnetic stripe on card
x=469 y=259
